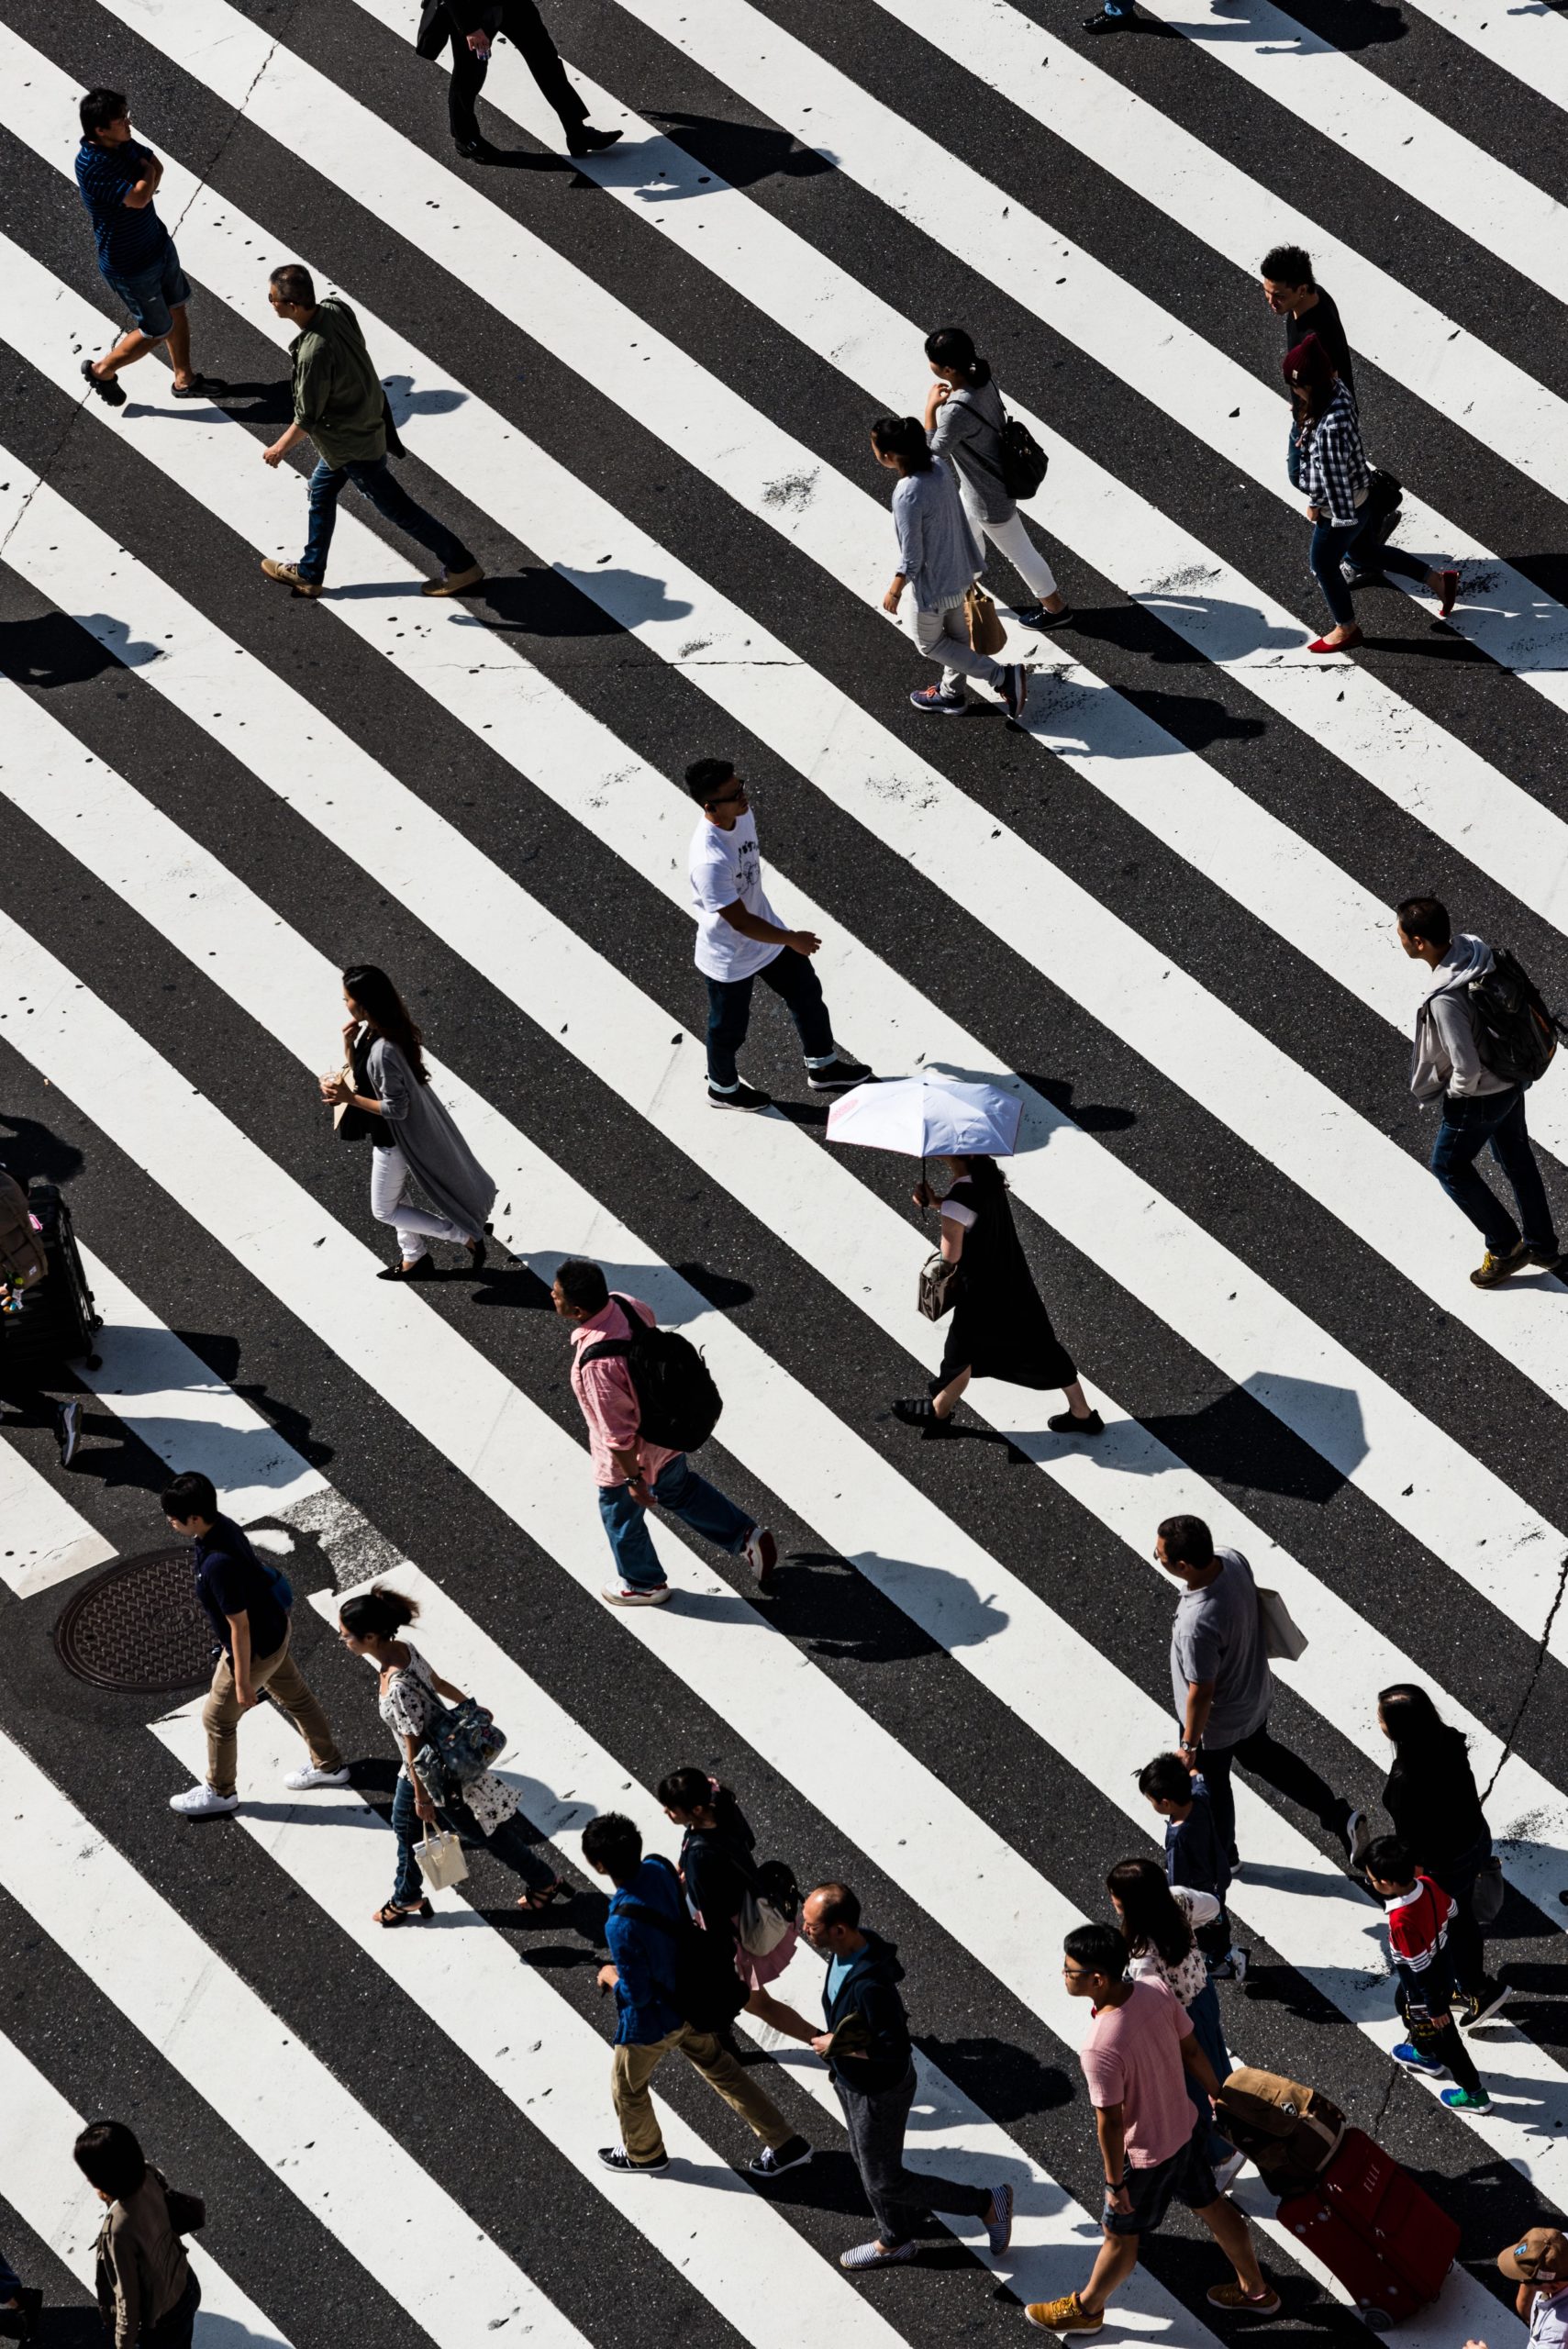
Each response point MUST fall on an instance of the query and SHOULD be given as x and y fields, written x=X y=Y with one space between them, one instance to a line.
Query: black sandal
x=392 y=1915
x=919 y=1412
x=423 y=1268
x=543 y=1895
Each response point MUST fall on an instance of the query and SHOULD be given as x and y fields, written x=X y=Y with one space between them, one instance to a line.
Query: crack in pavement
x=1536 y=1670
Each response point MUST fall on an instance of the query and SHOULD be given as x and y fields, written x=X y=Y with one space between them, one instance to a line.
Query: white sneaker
x=1226 y=2173
x=761 y=1554
x=68 y=1432
x=201 y=1802
x=620 y=1593
x=300 y=1782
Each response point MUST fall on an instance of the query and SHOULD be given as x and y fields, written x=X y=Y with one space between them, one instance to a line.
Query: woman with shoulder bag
x=1159 y=1922
x=964 y=417
x=718 y=1868
x=1000 y=1328
x=939 y=562
x=410 y=1698
x=1431 y=1797
x=146 y=2290
x=386 y=1097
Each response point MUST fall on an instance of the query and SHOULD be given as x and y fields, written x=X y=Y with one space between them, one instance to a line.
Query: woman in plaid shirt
x=1335 y=475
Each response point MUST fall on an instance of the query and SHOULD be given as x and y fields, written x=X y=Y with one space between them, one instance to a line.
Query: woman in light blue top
x=939 y=561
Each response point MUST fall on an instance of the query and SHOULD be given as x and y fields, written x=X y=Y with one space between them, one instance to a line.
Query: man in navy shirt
x=118 y=179
x=248 y=1613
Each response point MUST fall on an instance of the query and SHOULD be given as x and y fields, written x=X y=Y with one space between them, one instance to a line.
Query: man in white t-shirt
x=739 y=938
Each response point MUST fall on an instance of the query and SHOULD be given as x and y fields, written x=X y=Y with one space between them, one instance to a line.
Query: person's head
x=612 y=1845
x=1166 y=1783
x=105 y=117
x=1184 y=1546
x=1539 y=2258
x=984 y=1173
x=954 y=358
x=1094 y=1962
x=1407 y=1717
x=579 y=1290
x=371 y=1619
x=189 y=1501
x=718 y=791
x=370 y=996
x=1148 y=1917
x=1286 y=273
x=1424 y=930
x=831 y=1918
x=688 y=1797
x=109 y=2158
x=1389 y=1865
x=291 y=290
x=899 y=442
x=1310 y=375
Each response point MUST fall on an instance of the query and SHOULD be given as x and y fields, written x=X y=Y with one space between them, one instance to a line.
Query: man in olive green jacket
x=338 y=404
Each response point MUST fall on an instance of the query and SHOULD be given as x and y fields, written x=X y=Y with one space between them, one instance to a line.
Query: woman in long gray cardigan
x=937 y=562
x=388 y=1086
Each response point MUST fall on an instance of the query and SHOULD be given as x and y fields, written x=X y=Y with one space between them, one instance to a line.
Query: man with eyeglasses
x=740 y=940
x=1538 y=2263
x=1151 y=2141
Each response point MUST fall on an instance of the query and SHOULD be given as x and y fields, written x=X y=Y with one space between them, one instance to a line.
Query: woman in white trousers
x=965 y=417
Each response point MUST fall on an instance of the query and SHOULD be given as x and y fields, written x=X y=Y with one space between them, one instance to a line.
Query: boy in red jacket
x=1418 y=1913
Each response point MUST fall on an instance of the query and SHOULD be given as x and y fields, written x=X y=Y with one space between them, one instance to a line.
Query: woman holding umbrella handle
x=1000 y=1328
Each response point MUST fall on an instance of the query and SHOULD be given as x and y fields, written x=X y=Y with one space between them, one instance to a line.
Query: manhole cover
x=138 y=1626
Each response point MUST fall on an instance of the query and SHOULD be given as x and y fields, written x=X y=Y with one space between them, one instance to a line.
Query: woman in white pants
x=388 y=1100
x=939 y=558
x=964 y=423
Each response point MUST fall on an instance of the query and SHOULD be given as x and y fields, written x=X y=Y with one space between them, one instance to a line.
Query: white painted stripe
x=799 y=1719
x=43 y=2185
x=43 y=1539
x=1526 y=38
x=205 y=2019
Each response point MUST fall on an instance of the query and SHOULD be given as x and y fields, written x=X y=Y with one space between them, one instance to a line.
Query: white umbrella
x=928 y=1116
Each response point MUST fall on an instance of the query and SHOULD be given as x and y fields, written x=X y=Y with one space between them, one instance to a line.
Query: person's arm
x=1200 y=1704
x=289 y=437
x=313 y=385
x=1451 y=1016
x=424 y=1807
x=906 y=522
x=1108 y=2128
x=634 y=1981
x=937 y=399
x=128 y=2288
x=239 y=1634
x=138 y=197
x=768 y=933
x=1197 y=2062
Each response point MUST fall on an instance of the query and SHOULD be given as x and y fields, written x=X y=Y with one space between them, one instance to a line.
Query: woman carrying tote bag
x=939 y=562
x=964 y=417
x=410 y=1697
x=387 y=1089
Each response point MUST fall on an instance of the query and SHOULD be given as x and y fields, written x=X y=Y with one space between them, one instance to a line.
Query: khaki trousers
x=221 y=1716
x=633 y=2068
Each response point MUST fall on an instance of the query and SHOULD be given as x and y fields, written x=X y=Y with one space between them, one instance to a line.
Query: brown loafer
x=287 y=576
x=454 y=582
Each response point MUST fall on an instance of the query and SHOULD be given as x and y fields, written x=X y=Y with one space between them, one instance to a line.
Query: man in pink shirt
x=631 y=1474
x=1151 y=2140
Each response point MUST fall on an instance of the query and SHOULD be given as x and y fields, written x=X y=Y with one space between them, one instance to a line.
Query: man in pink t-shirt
x=633 y=1475
x=1152 y=2140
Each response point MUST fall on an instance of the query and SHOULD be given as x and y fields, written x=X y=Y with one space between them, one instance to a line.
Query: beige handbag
x=441 y=1861
x=1284 y=1640
x=938 y=1291
x=986 y=633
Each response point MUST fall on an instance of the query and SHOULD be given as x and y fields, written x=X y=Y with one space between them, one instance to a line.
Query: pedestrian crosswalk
x=642 y=393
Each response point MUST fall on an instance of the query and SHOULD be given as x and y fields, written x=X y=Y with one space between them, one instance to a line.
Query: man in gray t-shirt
x=1222 y=1686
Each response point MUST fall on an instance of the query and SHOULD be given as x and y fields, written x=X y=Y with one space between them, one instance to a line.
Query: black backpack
x=1516 y=1036
x=709 y=1992
x=677 y=1403
x=1023 y=460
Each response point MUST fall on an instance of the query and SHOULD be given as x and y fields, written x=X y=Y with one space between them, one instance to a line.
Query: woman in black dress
x=1000 y=1328
x=1431 y=1797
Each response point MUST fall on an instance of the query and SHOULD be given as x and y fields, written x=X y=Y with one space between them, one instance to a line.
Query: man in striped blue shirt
x=118 y=179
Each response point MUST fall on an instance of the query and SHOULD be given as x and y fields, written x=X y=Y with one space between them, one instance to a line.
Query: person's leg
x=728 y=1017
x=1010 y=538
x=961 y=656
x=521 y=22
x=1445 y=2046
x=1511 y=1149
x=10 y=2282
x=701 y=1506
x=327 y=486
x=1325 y=554
x=285 y=1684
x=1266 y=1758
x=220 y=1719
x=130 y=347
x=1209 y=2033
x=180 y=343
x=945 y=1401
x=869 y=2121
x=511 y=1846
x=1293 y=457
x=407 y=1889
x=637 y=1560
x=735 y=2085
x=1215 y=1763
x=176 y=2329
x=1464 y=1133
x=793 y=978
x=1234 y=2236
x=631 y=2069
x=463 y=85
x=1114 y=2262
x=389 y=1180
x=377 y=480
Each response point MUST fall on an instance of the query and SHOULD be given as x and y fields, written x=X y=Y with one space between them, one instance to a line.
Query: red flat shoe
x=1449 y=596
x=1321 y=643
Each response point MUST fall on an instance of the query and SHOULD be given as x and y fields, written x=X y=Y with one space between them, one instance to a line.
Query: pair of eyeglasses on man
x=726 y=798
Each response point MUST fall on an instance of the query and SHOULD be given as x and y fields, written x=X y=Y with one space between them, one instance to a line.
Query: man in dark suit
x=472 y=26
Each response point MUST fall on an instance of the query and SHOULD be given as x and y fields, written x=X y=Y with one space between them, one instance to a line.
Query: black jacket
x=1434 y=1805
x=438 y=20
x=869 y=1990
x=718 y=1867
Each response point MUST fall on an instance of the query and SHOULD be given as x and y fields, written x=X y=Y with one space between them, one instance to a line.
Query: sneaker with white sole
x=935 y=704
x=1016 y=690
x=760 y=1553
x=999 y=2221
x=615 y=2157
x=68 y=1432
x=774 y=2160
x=202 y=1802
x=621 y=1593
x=299 y=1781
x=840 y=1075
x=739 y=1096
x=1411 y=2056
x=1477 y=2007
x=1227 y=2172
x=872 y=2254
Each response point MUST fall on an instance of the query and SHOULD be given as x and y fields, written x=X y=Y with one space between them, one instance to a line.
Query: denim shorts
x=153 y=292
x=1187 y=2177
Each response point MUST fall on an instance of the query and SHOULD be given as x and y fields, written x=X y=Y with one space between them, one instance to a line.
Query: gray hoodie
x=1443 y=1058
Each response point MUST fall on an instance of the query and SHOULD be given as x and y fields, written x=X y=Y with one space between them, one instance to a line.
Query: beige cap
x=1540 y=2247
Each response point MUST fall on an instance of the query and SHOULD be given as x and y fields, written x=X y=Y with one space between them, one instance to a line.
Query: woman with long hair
x=409 y=1698
x=1000 y=1328
x=1336 y=476
x=718 y=1868
x=964 y=417
x=147 y=2293
x=939 y=562
x=388 y=1100
x=1159 y=1922
x=1431 y=1797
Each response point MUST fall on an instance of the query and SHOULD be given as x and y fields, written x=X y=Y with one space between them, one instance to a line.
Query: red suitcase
x=1386 y=2240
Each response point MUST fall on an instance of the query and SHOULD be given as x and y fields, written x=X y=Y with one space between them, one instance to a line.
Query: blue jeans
x=372 y=477
x=1337 y=542
x=686 y=1495
x=510 y=1843
x=1209 y=2033
x=795 y=983
x=1293 y=457
x=1470 y=1122
x=10 y=2282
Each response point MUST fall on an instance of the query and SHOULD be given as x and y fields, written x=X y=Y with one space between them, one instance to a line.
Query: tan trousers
x=634 y=2067
x=221 y=1716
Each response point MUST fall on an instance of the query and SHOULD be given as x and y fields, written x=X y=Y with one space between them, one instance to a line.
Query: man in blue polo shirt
x=118 y=179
